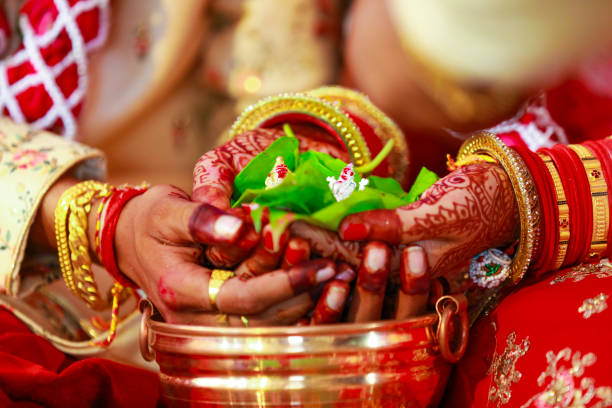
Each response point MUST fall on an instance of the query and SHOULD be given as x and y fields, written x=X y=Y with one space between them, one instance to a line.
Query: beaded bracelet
x=599 y=203
x=525 y=193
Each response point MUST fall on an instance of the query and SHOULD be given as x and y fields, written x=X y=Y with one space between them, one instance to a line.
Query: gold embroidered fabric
x=578 y=273
x=566 y=385
x=30 y=162
x=593 y=305
x=504 y=370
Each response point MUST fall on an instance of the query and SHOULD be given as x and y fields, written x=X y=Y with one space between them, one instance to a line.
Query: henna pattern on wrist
x=473 y=206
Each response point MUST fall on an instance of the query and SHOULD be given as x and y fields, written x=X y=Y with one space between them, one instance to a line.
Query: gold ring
x=245 y=321
x=217 y=279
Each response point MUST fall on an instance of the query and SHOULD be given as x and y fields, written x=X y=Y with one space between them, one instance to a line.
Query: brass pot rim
x=281 y=331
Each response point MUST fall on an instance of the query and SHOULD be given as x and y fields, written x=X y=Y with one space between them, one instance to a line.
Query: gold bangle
x=266 y=109
x=217 y=279
x=525 y=194
x=384 y=128
x=563 y=208
x=71 y=216
x=599 y=200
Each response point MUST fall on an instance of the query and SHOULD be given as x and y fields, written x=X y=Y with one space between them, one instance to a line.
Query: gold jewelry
x=599 y=200
x=525 y=194
x=71 y=214
x=563 y=208
x=453 y=165
x=383 y=126
x=257 y=114
x=217 y=279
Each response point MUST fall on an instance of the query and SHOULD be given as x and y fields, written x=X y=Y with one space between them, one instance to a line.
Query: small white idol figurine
x=345 y=185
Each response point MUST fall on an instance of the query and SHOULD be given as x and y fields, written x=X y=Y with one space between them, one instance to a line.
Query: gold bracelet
x=563 y=209
x=599 y=200
x=258 y=114
x=525 y=194
x=71 y=216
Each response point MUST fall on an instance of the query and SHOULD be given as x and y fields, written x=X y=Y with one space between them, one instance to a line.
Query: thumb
x=213 y=195
x=203 y=223
x=400 y=226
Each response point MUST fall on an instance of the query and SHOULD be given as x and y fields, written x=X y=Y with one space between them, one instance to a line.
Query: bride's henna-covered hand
x=158 y=246
x=213 y=179
x=464 y=213
x=214 y=173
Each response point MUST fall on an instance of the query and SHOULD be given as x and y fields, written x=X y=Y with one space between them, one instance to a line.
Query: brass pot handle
x=146 y=308
x=448 y=307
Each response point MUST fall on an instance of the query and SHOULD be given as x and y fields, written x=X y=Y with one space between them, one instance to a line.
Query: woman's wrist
x=42 y=234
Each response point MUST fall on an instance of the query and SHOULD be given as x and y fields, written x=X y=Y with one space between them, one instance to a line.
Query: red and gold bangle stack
x=549 y=233
x=563 y=221
x=572 y=183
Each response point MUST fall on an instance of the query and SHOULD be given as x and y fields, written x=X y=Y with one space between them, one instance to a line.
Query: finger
x=371 y=283
x=182 y=288
x=214 y=173
x=331 y=304
x=297 y=251
x=213 y=178
x=257 y=294
x=327 y=244
x=266 y=257
x=228 y=256
x=345 y=272
x=282 y=314
x=210 y=225
x=416 y=283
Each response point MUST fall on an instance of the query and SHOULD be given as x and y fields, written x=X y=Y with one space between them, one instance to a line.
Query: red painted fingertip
x=353 y=231
x=345 y=273
x=209 y=225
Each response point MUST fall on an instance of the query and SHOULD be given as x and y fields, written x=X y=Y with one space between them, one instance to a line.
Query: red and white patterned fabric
x=44 y=81
x=533 y=127
x=5 y=32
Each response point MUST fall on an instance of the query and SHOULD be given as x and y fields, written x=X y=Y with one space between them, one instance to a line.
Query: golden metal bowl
x=383 y=364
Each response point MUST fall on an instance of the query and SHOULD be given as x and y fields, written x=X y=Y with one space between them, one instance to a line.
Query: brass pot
x=383 y=364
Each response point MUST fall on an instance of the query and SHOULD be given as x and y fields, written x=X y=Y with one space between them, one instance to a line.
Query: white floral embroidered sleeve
x=30 y=162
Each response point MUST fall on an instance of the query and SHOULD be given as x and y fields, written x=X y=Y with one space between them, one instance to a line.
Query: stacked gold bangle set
x=71 y=230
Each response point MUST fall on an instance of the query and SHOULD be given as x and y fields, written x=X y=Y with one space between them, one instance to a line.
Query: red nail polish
x=355 y=232
x=294 y=256
x=269 y=240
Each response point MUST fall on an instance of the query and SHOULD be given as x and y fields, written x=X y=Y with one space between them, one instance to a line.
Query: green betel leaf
x=424 y=180
x=305 y=193
x=253 y=176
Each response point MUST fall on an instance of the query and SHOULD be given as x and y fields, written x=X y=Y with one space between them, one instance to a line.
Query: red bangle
x=584 y=216
x=116 y=202
x=569 y=187
x=602 y=149
x=550 y=214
